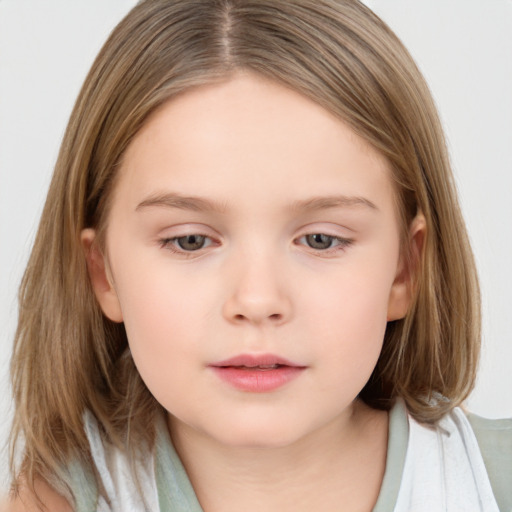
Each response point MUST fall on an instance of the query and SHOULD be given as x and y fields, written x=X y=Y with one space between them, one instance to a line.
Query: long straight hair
x=68 y=357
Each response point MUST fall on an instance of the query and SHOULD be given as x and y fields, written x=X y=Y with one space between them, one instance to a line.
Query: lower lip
x=255 y=380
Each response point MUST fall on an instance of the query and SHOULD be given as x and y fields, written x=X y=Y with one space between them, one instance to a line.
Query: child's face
x=248 y=221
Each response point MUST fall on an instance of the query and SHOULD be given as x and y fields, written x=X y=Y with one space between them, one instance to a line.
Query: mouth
x=257 y=373
x=262 y=367
x=263 y=361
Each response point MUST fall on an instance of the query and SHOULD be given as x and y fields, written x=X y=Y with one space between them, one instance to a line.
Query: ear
x=100 y=277
x=402 y=291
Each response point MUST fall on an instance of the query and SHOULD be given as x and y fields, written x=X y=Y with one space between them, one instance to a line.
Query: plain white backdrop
x=464 y=48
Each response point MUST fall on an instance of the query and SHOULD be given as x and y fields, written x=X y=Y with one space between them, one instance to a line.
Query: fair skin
x=47 y=500
x=246 y=221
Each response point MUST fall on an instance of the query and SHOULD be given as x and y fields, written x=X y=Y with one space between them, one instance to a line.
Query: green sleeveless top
x=176 y=494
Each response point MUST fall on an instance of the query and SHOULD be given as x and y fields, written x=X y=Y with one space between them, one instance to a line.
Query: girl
x=251 y=286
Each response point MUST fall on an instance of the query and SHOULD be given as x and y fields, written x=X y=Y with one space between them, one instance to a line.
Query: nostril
x=275 y=317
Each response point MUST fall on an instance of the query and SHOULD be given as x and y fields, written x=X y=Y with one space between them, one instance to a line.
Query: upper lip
x=255 y=360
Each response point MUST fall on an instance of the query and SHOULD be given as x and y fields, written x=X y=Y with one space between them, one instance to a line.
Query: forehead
x=246 y=137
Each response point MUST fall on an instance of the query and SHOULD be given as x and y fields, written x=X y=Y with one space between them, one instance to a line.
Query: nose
x=258 y=293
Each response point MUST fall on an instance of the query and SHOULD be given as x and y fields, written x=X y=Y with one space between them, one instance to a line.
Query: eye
x=323 y=242
x=319 y=241
x=191 y=242
x=186 y=243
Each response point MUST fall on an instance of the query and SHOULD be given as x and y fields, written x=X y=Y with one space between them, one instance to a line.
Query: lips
x=257 y=373
x=253 y=361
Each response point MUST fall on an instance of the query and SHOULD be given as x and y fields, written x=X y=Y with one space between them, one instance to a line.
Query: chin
x=260 y=441
x=260 y=435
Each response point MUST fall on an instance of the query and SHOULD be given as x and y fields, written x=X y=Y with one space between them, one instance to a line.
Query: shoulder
x=45 y=499
x=494 y=438
x=495 y=442
x=502 y=428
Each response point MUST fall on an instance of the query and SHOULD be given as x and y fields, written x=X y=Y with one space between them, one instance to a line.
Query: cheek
x=163 y=316
x=350 y=319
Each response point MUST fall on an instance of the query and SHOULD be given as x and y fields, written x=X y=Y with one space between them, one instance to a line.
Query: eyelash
x=171 y=244
x=342 y=243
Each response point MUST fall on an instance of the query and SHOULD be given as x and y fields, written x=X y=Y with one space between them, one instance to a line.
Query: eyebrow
x=172 y=200
x=200 y=204
x=327 y=202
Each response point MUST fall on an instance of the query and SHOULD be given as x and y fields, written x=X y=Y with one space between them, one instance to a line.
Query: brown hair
x=68 y=357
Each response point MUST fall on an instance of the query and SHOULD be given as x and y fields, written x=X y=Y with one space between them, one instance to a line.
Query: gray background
x=464 y=48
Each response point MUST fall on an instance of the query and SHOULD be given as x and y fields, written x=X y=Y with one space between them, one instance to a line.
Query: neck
x=341 y=463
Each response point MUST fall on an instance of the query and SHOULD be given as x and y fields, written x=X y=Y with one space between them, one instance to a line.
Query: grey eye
x=191 y=242
x=319 y=241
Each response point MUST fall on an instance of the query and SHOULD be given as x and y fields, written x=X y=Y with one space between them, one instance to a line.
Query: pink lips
x=257 y=373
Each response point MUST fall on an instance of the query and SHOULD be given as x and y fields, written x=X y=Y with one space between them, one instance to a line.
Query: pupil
x=319 y=241
x=191 y=242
